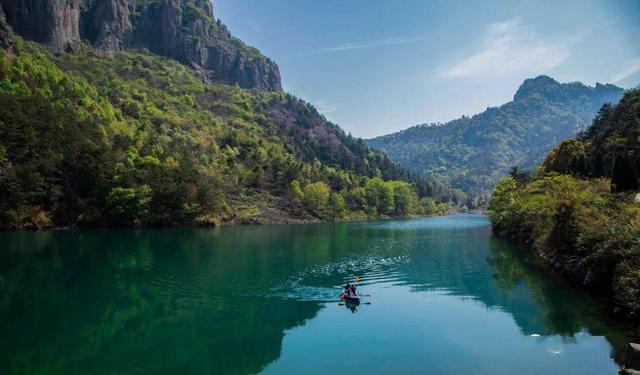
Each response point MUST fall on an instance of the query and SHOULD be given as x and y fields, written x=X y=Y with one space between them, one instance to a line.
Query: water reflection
x=221 y=301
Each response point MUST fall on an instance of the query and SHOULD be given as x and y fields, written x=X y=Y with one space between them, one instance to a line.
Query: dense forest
x=472 y=153
x=579 y=209
x=136 y=139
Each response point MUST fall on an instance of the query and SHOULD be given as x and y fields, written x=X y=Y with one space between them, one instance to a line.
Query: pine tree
x=624 y=176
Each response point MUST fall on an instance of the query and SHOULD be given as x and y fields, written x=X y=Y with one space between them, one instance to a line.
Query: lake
x=445 y=297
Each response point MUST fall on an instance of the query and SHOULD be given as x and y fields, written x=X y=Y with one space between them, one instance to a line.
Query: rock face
x=107 y=24
x=184 y=30
x=51 y=22
x=6 y=36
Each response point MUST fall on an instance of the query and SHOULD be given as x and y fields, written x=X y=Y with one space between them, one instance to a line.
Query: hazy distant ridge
x=472 y=153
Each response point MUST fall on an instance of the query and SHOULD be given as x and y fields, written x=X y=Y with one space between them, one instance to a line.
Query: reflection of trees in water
x=564 y=310
x=124 y=301
x=196 y=300
x=471 y=264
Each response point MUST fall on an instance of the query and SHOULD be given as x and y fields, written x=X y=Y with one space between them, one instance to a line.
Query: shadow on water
x=220 y=301
x=564 y=310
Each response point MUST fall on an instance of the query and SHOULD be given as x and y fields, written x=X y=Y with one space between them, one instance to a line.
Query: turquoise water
x=445 y=298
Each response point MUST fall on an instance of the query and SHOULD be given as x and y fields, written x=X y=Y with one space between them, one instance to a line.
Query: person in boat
x=352 y=291
x=347 y=290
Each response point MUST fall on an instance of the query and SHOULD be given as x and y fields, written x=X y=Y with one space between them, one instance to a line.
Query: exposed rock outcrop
x=107 y=24
x=185 y=30
x=51 y=22
x=6 y=35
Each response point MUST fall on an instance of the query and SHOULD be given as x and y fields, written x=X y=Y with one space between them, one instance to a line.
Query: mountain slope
x=184 y=30
x=472 y=153
x=133 y=138
x=6 y=37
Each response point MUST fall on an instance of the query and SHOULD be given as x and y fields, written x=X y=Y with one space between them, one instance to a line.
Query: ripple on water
x=311 y=284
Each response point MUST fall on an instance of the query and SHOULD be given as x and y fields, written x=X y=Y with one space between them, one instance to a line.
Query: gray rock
x=6 y=35
x=184 y=30
x=108 y=24
x=51 y=22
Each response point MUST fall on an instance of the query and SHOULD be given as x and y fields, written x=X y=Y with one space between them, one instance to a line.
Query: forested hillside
x=579 y=210
x=471 y=153
x=132 y=138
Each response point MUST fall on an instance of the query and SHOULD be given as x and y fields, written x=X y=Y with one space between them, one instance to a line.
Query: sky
x=379 y=66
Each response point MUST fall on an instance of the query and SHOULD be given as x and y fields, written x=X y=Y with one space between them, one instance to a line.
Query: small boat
x=346 y=297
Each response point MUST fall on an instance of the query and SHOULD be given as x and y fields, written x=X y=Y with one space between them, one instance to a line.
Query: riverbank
x=269 y=210
x=578 y=227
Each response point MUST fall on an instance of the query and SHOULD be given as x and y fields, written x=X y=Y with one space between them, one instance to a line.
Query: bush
x=590 y=233
x=316 y=197
x=129 y=206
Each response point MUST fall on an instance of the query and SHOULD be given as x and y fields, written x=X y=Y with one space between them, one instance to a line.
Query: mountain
x=184 y=30
x=609 y=148
x=124 y=129
x=580 y=211
x=6 y=35
x=472 y=153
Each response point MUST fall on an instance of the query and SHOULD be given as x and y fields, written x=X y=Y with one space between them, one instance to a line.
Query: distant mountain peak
x=539 y=85
x=566 y=93
x=472 y=153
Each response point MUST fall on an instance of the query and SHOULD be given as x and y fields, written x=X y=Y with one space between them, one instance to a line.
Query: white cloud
x=630 y=67
x=361 y=45
x=508 y=47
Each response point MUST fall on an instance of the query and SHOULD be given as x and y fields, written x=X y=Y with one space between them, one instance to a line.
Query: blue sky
x=378 y=66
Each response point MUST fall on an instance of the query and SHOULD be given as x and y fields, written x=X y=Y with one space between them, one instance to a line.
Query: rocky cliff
x=51 y=22
x=6 y=37
x=184 y=30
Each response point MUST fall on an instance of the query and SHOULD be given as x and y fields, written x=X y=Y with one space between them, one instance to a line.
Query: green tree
x=337 y=205
x=129 y=206
x=316 y=197
x=428 y=206
x=624 y=176
x=379 y=196
x=404 y=198
x=296 y=191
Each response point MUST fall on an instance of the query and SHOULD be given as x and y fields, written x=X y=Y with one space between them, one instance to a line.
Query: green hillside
x=137 y=139
x=472 y=153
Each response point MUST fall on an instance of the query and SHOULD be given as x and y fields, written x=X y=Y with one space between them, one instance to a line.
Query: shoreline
x=236 y=223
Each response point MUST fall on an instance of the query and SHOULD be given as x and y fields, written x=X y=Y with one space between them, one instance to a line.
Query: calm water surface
x=445 y=298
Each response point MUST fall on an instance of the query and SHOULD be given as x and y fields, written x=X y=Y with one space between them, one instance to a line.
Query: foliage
x=592 y=234
x=129 y=206
x=585 y=224
x=473 y=153
x=608 y=148
x=316 y=197
x=136 y=139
